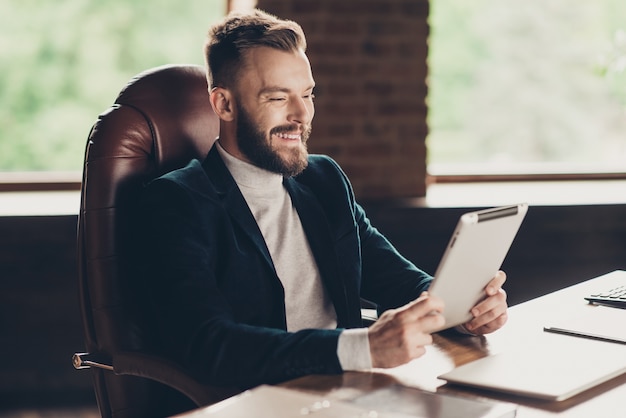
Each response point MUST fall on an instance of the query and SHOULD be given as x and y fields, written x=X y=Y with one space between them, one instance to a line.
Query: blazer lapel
x=234 y=202
x=320 y=239
x=313 y=220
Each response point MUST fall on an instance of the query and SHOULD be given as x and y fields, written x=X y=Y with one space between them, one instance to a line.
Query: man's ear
x=222 y=102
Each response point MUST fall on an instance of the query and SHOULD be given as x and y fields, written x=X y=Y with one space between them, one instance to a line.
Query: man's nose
x=301 y=111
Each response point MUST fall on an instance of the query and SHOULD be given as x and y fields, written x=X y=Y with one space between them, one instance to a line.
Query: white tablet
x=473 y=256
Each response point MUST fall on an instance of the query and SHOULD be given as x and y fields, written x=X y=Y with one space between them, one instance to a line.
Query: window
x=523 y=87
x=63 y=62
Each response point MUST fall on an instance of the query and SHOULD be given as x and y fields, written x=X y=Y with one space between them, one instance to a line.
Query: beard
x=256 y=146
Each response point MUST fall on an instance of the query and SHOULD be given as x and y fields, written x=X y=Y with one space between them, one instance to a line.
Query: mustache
x=303 y=129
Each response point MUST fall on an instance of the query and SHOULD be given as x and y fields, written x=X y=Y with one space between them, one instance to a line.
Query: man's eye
x=310 y=96
x=276 y=99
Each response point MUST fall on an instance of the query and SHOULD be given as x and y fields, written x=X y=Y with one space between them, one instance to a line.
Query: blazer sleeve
x=197 y=322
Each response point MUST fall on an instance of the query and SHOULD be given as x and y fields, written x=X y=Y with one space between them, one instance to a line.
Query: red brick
x=342 y=27
x=369 y=62
x=415 y=8
x=307 y=6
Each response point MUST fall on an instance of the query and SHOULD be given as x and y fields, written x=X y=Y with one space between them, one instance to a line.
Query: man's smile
x=289 y=136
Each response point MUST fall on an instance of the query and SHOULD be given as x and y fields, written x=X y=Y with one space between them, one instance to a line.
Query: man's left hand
x=490 y=314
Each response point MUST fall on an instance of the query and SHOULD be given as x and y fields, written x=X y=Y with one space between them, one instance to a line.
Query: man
x=260 y=254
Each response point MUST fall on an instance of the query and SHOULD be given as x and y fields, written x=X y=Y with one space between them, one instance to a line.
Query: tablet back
x=473 y=256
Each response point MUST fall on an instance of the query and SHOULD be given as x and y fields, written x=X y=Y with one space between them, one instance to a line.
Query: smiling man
x=278 y=91
x=259 y=255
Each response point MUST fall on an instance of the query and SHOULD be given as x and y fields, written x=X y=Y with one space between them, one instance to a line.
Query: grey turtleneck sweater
x=307 y=303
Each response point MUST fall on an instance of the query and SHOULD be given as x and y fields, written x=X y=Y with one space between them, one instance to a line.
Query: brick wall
x=369 y=64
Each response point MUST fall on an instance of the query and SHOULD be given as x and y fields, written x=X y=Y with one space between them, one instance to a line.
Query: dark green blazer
x=215 y=297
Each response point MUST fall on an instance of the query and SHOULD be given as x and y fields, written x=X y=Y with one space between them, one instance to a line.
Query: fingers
x=421 y=315
x=492 y=326
x=496 y=283
x=396 y=345
x=421 y=307
x=489 y=315
x=496 y=301
x=401 y=335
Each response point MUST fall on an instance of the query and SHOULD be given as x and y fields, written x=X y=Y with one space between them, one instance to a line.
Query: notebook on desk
x=600 y=320
x=595 y=322
x=555 y=369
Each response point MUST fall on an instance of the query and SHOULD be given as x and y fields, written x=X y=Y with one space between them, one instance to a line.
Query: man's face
x=274 y=110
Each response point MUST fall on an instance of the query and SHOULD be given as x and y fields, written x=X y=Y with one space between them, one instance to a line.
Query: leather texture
x=160 y=121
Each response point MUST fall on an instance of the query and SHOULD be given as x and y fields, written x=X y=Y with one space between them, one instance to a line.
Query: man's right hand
x=399 y=335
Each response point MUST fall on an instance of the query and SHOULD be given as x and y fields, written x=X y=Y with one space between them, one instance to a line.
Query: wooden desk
x=525 y=326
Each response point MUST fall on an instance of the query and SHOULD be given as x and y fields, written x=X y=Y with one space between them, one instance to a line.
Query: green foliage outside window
x=64 y=61
x=516 y=84
x=511 y=81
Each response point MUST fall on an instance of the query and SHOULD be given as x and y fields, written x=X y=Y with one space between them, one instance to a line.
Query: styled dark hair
x=238 y=32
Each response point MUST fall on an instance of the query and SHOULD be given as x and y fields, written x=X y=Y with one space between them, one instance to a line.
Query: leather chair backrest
x=160 y=121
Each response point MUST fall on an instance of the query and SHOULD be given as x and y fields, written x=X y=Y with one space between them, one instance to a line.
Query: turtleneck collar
x=249 y=176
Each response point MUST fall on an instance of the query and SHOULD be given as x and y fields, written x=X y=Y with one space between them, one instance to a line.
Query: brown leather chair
x=160 y=121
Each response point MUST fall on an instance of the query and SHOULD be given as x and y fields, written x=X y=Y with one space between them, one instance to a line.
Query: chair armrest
x=170 y=374
x=158 y=369
x=88 y=360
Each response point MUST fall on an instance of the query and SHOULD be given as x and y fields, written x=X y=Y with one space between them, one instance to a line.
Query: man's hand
x=400 y=334
x=490 y=314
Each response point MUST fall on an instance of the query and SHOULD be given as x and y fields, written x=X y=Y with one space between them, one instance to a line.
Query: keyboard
x=611 y=297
